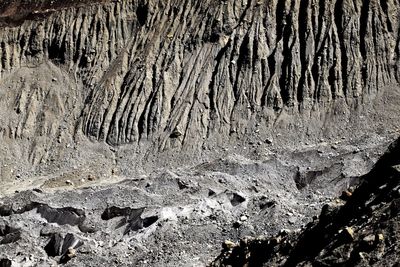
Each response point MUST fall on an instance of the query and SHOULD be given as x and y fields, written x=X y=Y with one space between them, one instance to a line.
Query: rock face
x=140 y=132
x=165 y=75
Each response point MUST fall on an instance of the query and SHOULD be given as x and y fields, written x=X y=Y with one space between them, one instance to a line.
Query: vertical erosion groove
x=340 y=25
x=302 y=24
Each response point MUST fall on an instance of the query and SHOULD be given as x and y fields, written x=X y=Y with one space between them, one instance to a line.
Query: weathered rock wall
x=179 y=74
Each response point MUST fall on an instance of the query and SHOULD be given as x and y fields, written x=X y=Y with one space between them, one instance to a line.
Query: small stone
x=380 y=237
x=268 y=141
x=348 y=233
x=228 y=244
x=370 y=239
x=237 y=224
x=71 y=253
x=243 y=218
x=292 y=220
x=346 y=194
x=362 y=255
x=69 y=182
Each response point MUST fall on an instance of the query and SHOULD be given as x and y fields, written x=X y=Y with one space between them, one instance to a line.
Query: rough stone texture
x=137 y=132
x=364 y=231
x=175 y=216
x=165 y=75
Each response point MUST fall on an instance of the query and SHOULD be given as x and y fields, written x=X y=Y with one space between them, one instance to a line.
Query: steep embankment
x=162 y=75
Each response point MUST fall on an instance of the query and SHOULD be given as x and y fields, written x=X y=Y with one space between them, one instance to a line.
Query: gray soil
x=146 y=133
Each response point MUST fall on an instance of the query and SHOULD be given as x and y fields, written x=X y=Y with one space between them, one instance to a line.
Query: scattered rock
x=346 y=194
x=348 y=234
x=229 y=244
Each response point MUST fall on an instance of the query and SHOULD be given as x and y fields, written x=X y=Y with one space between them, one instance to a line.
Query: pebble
x=229 y=244
x=71 y=253
x=369 y=239
x=349 y=232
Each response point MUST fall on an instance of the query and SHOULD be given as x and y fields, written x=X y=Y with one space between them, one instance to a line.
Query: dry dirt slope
x=173 y=75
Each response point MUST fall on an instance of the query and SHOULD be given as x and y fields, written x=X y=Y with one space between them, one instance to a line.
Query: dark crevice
x=142 y=121
x=280 y=19
x=332 y=80
x=62 y=216
x=303 y=35
x=3 y=55
x=149 y=221
x=315 y=75
x=142 y=14
x=385 y=10
x=8 y=210
x=255 y=56
x=9 y=234
x=131 y=218
x=236 y=199
x=213 y=86
x=284 y=81
x=57 y=52
x=59 y=245
x=151 y=118
x=113 y=134
x=321 y=14
x=145 y=122
x=340 y=29
x=243 y=60
x=272 y=68
x=363 y=29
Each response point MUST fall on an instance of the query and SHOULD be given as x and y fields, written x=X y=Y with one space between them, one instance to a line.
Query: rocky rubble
x=364 y=230
x=175 y=217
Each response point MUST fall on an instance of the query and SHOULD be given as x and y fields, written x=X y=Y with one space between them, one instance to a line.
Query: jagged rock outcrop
x=173 y=74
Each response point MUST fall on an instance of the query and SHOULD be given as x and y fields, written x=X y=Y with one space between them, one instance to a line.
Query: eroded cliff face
x=144 y=133
x=184 y=75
